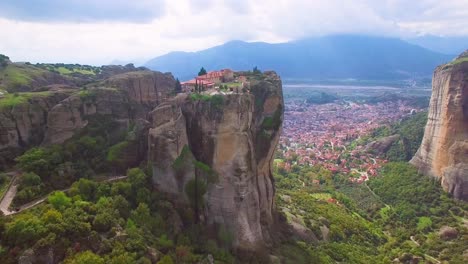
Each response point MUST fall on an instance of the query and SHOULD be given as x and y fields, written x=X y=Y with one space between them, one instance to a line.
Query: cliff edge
x=216 y=151
x=444 y=150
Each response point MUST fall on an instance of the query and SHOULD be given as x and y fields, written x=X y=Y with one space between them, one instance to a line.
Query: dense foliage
x=400 y=215
x=4 y=60
x=410 y=131
x=101 y=147
x=120 y=222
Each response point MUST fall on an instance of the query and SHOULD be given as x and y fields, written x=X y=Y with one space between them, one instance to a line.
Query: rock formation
x=444 y=150
x=233 y=136
x=221 y=143
x=382 y=145
x=25 y=124
x=54 y=116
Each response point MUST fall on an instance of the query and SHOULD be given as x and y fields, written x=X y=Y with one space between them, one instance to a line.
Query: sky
x=105 y=31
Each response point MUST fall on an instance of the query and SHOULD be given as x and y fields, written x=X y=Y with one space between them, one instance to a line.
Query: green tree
x=141 y=216
x=166 y=260
x=195 y=189
x=4 y=60
x=424 y=223
x=30 y=179
x=59 y=200
x=118 y=155
x=24 y=230
x=197 y=89
x=52 y=216
x=122 y=188
x=103 y=221
x=137 y=178
x=202 y=71
x=256 y=70
x=122 y=206
x=85 y=188
x=122 y=258
x=36 y=160
x=178 y=86
x=86 y=257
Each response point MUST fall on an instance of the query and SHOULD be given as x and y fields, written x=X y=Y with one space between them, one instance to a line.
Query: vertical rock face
x=70 y=115
x=144 y=87
x=235 y=135
x=24 y=125
x=55 y=117
x=444 y=149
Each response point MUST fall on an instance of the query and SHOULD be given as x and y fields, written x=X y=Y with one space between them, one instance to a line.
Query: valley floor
x=349 y=203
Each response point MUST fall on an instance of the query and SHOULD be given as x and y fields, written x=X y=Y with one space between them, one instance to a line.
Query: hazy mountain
x=446 y=45
x=340 y=56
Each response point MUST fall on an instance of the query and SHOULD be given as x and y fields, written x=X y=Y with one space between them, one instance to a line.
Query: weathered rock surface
x=444 y=150
x=144 y=87
x=381 y=146
x=24 y=125
x=448 y=233
x=225 y=140
x=55 y=117
x=71 y=114
x=235 y=135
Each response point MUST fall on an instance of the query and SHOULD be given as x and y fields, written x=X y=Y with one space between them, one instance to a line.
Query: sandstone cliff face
x=235 y=136
x=144 y=87
x=25 y=124
x=54 y=118
x=71 y=114
x=444 y=149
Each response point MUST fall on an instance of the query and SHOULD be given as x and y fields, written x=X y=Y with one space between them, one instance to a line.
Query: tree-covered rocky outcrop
x=403 y=137
x=70 y=150
x=119 y=222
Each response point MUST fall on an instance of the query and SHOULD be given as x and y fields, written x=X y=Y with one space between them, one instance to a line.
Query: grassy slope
x=458 y=61
x=11 y=100
x=65 y=71
x=14 y=75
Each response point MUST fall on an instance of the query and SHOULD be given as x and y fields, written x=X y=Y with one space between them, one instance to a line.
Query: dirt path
x=8 y=198
x=375 y=195
x=10 y=195
x=414 y=241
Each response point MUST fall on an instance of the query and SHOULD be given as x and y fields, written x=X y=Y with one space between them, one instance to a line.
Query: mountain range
x=329 y=57
x=446 y=45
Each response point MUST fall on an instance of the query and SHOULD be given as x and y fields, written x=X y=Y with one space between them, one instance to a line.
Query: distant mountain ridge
x=339 y=56
x=445 y=45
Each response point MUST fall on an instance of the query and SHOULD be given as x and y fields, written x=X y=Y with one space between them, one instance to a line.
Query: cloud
x=82 y=10
x=128 y=30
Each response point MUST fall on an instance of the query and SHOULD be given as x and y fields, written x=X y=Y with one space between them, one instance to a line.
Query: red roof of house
x=214 y=74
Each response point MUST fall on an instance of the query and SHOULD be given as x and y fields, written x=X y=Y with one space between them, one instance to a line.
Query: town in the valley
x=322 y=134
